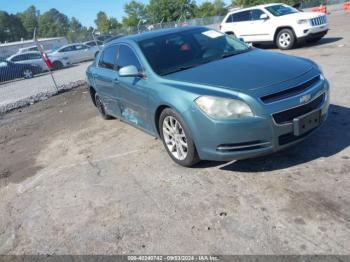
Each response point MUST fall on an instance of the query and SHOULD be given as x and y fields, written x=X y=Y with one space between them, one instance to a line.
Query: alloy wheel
x=27 y=73
x=175 y=138
x=285 y=39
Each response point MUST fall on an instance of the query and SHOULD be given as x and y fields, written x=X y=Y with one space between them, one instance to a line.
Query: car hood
x=302 y=15
x=246 y=71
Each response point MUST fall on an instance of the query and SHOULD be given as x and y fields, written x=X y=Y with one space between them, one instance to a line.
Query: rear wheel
x=177 y=139
x=57 y=65
x=28 y=73
x=285 y=39
x=101 y=108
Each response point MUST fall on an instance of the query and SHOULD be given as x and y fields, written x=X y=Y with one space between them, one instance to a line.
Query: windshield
x=179 y=51
x=279 y=10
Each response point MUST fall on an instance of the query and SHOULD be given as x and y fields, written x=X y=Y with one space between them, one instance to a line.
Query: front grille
x=290 y=91
x=288 y=115
x=318 y=20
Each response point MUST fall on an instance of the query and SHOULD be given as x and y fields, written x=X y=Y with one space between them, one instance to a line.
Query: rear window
x=241 y=16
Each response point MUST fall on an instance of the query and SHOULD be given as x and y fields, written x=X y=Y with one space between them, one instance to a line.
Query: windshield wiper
x=181 y=68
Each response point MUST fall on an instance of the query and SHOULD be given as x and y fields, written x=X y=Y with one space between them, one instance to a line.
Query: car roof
x=254 y=7
x=153 y=34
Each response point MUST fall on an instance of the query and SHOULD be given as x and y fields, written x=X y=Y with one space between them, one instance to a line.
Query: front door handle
x=115 y=80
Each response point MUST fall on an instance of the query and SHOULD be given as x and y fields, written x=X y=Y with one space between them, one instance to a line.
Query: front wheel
x=177 y=139
x=28 y=73
x=57 y=65
x=285 y=39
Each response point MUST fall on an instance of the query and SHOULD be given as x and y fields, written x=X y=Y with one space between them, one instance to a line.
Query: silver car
x=74 y=52
x=96 y=46
x=34 y=58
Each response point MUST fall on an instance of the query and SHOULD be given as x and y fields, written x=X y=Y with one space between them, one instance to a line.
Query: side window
x=229 y=19
x=34 y=56
x=68 y=49
x=127 y=57
x=80 y=47
x=255 y=14
x=241 y=16
x=92 y=43
x=108 y=57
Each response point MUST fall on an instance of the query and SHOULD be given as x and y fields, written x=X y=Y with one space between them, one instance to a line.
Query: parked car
x=207 y=95
x=27 y=49
x=75 y=53
x=35 y=58
x=10 y=70
x=276 y=23
x=95 y=46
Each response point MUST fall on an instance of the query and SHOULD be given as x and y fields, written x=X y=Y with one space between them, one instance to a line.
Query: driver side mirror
x=264 y=16
x=129 y=71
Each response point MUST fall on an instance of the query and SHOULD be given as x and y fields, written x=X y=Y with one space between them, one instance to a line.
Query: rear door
x=106 y=79
x=133 y=91
x=241 y=24
x=82 y=53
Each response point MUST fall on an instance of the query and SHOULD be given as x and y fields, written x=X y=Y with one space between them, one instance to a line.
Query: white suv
x=278 y=23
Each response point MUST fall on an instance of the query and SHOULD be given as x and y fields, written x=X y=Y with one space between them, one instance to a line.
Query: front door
x=260 y=28
x=133 y=91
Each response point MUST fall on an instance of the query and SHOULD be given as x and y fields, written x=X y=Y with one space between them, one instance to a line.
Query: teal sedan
x=207 y=95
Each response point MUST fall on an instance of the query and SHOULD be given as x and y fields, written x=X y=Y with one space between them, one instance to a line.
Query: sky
x=84 y=10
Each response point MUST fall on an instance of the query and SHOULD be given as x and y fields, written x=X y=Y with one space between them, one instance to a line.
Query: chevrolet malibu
x=208 y=96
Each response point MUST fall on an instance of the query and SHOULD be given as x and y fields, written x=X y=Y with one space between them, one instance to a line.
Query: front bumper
x=246 y=138
x=308 y=32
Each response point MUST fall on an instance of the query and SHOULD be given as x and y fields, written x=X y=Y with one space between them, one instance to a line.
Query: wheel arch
x=92 y=92
x=157 y=114
x=278 y=29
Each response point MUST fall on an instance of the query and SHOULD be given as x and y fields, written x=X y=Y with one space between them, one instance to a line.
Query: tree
x=259 y=2
x=135 y=11
x=114 y=24
x=206 y=9
x=75 y=30
x=11 y=28
x=29 y=20
x=219 y=7
x=170 y=10
x=53 y=23
x=102 y=22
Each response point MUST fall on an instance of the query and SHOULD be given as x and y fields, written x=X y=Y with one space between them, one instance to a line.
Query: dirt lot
x=72 y=183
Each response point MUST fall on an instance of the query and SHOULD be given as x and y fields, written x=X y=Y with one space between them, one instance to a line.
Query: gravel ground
x=73 y=183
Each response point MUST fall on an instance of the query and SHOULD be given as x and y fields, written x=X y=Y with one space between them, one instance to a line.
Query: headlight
x=303 y=21
x=223 y=108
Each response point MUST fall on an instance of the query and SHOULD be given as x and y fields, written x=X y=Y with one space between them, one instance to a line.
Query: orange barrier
x=320 y=9
x=346 y=6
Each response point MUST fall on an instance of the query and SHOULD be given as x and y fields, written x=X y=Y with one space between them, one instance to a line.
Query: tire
x=27 y=73
x=101 y=108
x=314 y=40
x=285 y=39
x=171 y=124
x=57 y=65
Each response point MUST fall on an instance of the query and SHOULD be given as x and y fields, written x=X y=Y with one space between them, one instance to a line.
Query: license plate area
x=307 y=122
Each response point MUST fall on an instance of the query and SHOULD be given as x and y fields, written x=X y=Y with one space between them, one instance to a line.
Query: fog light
x=305 y=31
